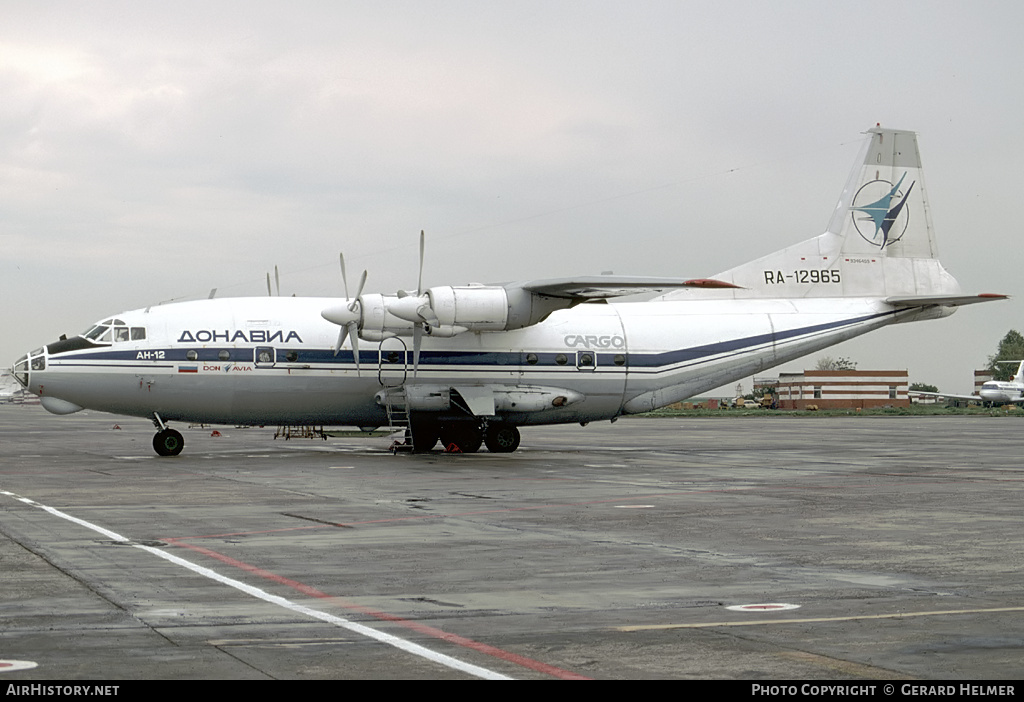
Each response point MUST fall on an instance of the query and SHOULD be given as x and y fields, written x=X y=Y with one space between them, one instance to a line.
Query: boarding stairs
x=396 y=404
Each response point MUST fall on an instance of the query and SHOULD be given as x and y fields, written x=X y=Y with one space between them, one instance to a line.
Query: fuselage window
x=292 y=356
x=620 y=359
x=138 y=333
x=561 y=359
x=531 y=358
x=224 y=355
x=121 y=334
x=192 y=356
x=585 y=360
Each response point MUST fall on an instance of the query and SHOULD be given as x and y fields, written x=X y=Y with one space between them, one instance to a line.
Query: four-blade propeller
x=347 y=316
x=411 y=308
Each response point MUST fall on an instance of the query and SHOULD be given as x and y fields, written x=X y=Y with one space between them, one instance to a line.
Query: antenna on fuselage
x=277 y=282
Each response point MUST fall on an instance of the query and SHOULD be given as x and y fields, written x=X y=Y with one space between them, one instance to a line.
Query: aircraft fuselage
x=271 y=361
x=1001 y=392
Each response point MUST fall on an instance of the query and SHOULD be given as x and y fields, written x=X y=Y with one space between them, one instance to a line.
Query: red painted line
x=487 y=649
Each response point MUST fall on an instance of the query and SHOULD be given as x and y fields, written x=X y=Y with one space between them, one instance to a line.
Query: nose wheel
x=168 y=442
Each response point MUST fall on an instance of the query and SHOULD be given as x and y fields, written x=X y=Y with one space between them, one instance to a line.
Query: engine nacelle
x=377 y=323
x=447 y=311
x=491 y=307
x=477 y=308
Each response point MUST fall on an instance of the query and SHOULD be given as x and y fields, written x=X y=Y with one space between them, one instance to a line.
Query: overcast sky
x=153 y=151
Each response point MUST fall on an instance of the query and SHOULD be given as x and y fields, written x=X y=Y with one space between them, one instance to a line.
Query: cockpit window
x=97 y=333
x=111 y=330
x=21 y=370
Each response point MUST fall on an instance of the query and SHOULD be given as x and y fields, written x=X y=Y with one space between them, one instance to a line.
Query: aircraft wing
x=943 y=300
x=605 y=286
x=946 y=395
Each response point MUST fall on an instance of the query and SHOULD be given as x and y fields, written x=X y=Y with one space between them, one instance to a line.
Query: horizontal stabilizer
x=942 y=300
x=605 y=286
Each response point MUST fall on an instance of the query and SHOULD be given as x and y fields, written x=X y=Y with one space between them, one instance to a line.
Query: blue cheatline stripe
x=488 y=359
x=735 y=345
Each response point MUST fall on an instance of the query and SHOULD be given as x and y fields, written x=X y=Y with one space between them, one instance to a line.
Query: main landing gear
x=501 y=438
x=167 y=441
x=464 y=436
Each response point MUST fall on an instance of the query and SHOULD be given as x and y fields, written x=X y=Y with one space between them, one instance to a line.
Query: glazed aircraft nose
x=35 y=361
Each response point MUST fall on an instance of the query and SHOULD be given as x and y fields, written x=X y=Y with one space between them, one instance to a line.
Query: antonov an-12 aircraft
x=471 y=364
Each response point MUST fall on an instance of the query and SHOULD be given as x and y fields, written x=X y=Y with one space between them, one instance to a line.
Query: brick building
x=843 y=389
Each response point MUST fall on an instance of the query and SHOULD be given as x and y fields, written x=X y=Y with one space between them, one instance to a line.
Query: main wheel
x=168 y=442
x=424 y=436
x=501 y=438
x=466 y=436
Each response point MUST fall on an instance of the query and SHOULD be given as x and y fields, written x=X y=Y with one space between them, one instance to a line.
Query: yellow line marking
x=811 y=620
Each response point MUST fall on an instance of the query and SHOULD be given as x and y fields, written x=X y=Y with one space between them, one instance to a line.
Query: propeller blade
x=341 y=338
x=355 y=345
x=359 y=292
x=277 y=281
x=270 y=293
x=417 y=339
x=344 y=278
x=419 y=282
x=352 y=327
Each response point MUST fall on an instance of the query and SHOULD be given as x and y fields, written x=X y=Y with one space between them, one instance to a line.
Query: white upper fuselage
x=271 y=359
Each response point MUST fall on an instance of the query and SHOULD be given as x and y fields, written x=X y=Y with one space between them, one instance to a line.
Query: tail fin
x=879 y=242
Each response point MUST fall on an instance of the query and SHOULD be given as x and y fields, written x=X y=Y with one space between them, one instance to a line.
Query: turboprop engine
x=444 y=311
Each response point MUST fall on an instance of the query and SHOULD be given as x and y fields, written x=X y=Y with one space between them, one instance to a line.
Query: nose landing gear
x=167 y=441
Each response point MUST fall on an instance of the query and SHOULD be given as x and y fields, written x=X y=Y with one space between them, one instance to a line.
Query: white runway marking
x=407 y=646
x=10 y=666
